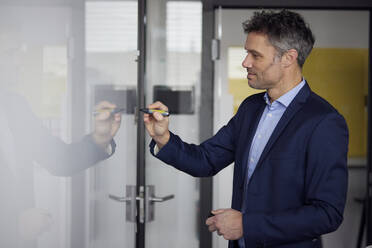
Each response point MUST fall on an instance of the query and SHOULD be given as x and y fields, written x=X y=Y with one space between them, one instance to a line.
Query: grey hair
x=285 y=30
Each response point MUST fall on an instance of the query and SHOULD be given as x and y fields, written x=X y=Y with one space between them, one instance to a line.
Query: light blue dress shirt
x=269 y=119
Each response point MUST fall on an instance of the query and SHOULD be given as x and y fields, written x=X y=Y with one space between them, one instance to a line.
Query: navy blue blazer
x=298 y=189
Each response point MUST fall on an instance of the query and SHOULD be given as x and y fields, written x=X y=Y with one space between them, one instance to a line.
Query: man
x=289 y=146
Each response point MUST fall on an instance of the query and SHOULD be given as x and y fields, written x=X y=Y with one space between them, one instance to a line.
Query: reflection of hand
x=33 y=222
x=157 y=125
x=227 y=222
x=106 y=125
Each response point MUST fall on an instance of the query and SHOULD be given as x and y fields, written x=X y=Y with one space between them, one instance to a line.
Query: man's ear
x=289 y=57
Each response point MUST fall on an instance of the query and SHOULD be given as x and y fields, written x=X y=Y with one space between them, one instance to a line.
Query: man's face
x=262 y=62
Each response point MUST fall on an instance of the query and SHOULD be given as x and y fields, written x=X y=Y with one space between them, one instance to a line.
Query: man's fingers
x=218 y=211
x=117 y=117
x=158 y=116
x=210 y=221
x=103 y=108
x=146 y=118
x=227 y=237
x=212 y=228
x=115 y=125
x=105 y=105
x=104 y=115
x=155 y=116
x=158 y=105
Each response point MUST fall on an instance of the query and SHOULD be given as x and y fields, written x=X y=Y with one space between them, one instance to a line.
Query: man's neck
x=285 y=85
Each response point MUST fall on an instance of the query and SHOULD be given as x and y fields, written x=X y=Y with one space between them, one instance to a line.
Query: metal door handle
x=123 y=199
x=120 y=199
x=161 y=199
x=150 y=201
x=147 y=200
x=130 y=200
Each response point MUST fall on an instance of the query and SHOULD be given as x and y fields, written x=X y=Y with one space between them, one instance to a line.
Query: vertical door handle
x=130 y=200
x=150 y=202
x=161 y=199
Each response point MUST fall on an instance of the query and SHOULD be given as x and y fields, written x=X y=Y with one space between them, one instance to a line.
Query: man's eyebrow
x=253 y=51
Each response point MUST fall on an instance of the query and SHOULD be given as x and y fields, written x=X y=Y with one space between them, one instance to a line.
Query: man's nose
x=247 y=62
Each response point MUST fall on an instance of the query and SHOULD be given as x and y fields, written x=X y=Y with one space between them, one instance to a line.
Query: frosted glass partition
x=173 y=66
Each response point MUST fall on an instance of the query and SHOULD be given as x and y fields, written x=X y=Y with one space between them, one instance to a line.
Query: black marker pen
x=151 y=111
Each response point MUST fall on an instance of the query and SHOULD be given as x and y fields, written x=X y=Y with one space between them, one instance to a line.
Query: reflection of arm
x=36 y=142
x=63 y=159
x=202 y=160
x=325 y=192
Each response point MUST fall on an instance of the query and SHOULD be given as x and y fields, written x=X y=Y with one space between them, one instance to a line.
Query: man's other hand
x=227 y=222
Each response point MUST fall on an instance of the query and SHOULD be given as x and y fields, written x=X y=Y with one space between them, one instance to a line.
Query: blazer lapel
x=250 y=134
x=289 y=113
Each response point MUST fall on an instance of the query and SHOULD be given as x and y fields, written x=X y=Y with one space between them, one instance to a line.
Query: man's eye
x=254 y=55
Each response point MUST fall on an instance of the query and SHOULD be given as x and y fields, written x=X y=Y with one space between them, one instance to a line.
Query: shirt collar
x=287 y=98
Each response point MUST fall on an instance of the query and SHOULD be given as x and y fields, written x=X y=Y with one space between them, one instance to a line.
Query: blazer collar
x=289 y=113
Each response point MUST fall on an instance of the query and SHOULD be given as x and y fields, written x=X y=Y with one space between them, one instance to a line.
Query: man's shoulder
x=251 y=100
x=255 y=97
x=316 y=109
x=320 y=105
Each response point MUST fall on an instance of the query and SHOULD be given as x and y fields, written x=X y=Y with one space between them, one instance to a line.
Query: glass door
x=111 y=75
x=173 y=66
x=134 y=200
x=63 y=57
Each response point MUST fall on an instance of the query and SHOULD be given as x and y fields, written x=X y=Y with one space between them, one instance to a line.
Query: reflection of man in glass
x=24 y=141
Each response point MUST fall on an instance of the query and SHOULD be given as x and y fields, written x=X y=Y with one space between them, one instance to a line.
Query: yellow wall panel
x=340 y=75
x=240 y=89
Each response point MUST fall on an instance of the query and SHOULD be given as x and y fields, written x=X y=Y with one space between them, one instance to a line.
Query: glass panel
x=57 y=58
x=34 y=81
x=111 y=74
x=173 y=77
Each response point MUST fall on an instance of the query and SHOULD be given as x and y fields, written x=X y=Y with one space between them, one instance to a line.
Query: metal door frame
x=141 y=71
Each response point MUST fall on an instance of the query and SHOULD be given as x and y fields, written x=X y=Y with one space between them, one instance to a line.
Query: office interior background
x=64 y=56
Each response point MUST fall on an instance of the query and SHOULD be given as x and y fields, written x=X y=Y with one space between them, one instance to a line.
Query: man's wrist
x=156 y=149
x=101 y=140
x=162 y=140
x=109 y=149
